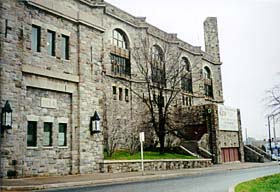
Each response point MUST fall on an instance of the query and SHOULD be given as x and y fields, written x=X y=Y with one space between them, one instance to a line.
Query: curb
x=95 y=183
x=231 y=189
x=139 y=178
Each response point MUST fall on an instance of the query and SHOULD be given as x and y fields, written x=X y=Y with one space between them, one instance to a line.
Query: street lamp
x=95 y=123
x=6 y=117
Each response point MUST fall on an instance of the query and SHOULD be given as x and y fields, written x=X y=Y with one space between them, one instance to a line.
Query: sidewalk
x=39 y=183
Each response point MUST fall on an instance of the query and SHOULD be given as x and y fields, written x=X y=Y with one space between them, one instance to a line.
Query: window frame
x=157 y=66
x=119 y=39
x=120 y=65
x=208 y=82
x=36 y=38
x=64 y=135
x=126 y=92
x=51 y=42
x=114 y=92
x=65 y=47
x=50 y=138
x=34 y=134
x=186 y=78
x=120 y=94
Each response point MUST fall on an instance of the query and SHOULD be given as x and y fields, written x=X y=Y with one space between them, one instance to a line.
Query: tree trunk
x=161 y=123
x=161 y=142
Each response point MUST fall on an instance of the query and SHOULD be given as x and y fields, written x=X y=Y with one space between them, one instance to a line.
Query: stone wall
x=152 y=165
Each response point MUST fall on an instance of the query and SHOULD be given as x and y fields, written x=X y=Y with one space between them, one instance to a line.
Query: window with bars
x=31 y=134
x=120 y=57
x=186 y=100
x=36 y=38
x=120 y=65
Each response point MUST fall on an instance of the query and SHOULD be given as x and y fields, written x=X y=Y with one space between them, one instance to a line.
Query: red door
x=230 y=154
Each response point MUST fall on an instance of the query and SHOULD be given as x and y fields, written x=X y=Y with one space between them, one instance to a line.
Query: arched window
x=157 y=54
x=157 y=66
x=120 y=57
x=186 y=76
x=119 y=39
x=208 y=85
x=206 y=73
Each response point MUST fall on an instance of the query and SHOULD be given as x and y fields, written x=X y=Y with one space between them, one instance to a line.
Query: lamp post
x=95 y=123
x=6 y=122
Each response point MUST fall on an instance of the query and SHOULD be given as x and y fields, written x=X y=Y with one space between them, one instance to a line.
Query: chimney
x=211 y=37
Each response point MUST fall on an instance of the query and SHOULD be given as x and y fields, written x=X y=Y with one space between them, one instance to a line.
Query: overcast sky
x=249 y=34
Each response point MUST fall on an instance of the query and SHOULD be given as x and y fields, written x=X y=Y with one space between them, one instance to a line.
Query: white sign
x=142 y=137
x=48 y=103
x=227 y=118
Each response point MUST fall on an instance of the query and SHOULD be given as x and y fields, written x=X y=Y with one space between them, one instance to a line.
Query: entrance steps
x=255 y=154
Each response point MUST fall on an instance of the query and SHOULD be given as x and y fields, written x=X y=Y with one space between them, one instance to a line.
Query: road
x=203 y=182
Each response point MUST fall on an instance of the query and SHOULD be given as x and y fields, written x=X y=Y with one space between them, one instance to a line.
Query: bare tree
x=161 y=73
x=274 y=100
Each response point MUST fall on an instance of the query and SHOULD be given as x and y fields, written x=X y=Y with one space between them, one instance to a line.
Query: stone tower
x=211 y=37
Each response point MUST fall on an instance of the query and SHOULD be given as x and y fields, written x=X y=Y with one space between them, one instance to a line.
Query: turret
x=211 y=37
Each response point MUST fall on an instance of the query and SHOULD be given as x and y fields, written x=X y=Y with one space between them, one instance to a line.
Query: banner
x=227 y=118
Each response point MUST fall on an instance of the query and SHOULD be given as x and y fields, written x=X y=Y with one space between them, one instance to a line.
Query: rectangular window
x=47 y=135
x=31 y=134
x=120 y=65
x=120 y=94
x=51 y=43
x=62 y=134
x=114 y=93
x=65 y=47
x=190 y=101
x=36 y=38
x=126 y=95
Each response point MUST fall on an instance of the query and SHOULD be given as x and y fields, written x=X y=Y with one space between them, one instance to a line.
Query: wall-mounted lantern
x=6 y=122
x=95 y=123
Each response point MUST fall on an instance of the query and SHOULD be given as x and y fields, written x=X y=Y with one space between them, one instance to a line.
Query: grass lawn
x=124 y=155
x=264 y=184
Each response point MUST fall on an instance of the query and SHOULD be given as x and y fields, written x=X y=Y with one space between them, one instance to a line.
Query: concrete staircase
x=265 y=154
x=192 y=148
x=255 y=154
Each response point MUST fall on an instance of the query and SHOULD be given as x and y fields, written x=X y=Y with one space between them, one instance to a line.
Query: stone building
x=62 y=61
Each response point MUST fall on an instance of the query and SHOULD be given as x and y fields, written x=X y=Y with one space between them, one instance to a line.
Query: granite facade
x=50 y=88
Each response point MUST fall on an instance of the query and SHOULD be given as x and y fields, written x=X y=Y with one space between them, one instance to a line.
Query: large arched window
x=119 y=39
x=208 y=85
x=120 y=57
x=157 y=66
x=186 y=77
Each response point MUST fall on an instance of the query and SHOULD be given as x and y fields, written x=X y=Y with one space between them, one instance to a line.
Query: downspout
x=79 y=98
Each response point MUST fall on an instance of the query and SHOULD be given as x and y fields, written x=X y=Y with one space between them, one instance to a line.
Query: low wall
x=110 y=166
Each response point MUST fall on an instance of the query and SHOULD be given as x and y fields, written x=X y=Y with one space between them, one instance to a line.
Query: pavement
x=40 y=183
